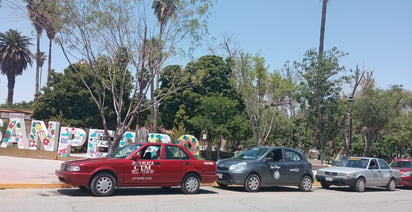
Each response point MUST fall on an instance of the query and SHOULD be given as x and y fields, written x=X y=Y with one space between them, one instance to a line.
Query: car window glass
x=150 y=152
x=277 y=155
x=353 y=162
x=175 y=153
x=401 y=164
x=125 y=151
x=252 y=153
x=383 y=164
x=373 y=164
x=292 y=156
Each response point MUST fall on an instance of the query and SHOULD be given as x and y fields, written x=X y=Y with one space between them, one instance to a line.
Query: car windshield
x=252 y=153
x=353 y=162
x=124 y=151
x=401 y=164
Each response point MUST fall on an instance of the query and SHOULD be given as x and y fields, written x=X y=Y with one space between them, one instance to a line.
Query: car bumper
x=406 y=181
x=336 y=180
x=229 y=178
x=209 y=178
x=73 y=178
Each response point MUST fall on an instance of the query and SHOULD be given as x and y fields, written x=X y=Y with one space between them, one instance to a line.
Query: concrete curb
x=62 y=185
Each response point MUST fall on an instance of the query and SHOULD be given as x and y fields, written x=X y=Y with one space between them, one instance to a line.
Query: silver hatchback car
x=265 y=166
x=358 y=173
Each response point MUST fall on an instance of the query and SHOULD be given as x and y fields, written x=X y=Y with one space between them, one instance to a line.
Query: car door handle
x=275 y=167
x=157 y=163
x=187 y=163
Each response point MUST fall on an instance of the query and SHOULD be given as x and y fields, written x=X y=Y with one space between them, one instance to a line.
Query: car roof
x=402 y=159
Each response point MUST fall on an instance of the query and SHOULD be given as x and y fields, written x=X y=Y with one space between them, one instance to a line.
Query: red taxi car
x=405 y=166
x=139 y=165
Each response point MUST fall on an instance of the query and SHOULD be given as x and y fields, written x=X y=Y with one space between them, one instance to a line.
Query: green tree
x=319 y=94
x=223 y=119
x=374 y=110
x=14 y=58
x=207 y=76
x=103 y=27
x=67 y=96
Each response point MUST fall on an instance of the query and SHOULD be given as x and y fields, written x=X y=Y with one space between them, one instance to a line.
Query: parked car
x=358 y=173
x=137 y=165
x=405 y=167
x=264 y=166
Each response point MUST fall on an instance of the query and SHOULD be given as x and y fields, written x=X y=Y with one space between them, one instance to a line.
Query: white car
x=358 y=173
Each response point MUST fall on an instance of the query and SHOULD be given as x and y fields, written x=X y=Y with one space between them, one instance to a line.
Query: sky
x=376 y=34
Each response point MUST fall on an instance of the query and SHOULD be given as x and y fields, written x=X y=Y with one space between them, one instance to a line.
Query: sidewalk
x=19 y=172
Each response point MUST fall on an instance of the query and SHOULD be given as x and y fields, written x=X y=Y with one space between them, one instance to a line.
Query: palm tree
x=40 y=58
x=164 y=10
x=14 y=57
x=53 y=25
x=322 y=27
x=34 y=9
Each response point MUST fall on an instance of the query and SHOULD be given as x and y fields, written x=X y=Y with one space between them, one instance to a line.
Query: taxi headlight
x=320 y=173
x=407 y=174
x=237 y=166
x=71 y=168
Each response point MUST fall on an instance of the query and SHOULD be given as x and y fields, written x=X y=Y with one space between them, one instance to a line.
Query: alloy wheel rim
x=253 y=183
x=104 y=184
x=191 y=184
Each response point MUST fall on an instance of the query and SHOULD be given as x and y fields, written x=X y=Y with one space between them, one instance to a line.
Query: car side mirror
x=136 y=157
x=268 y=160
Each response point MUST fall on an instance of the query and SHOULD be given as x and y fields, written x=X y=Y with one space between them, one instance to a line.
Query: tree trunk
x=322 y=28
x=49 y=70
x=37 y=86
x=11 y=78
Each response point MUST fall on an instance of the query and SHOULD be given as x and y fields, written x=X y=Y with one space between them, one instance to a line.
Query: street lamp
x=350 y=101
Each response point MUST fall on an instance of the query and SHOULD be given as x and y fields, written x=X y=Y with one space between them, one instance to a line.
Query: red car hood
x=91 y=160
x=403 y=170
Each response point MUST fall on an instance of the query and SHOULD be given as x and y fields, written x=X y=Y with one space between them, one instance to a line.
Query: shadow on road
x=348 y=189
x=262 y=189
x=76 y=192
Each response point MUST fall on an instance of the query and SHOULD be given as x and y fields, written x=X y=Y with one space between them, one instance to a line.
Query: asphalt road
x=209 y=199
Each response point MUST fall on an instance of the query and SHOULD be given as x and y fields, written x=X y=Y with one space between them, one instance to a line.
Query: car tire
x=252 y=183
x=222 y=185
x=103 y=184
x=190 y=184
x=391 y=185
x=325 y=185
x=305 y=184
x=360 y=185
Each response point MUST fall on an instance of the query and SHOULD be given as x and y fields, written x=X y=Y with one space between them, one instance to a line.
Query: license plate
x=220 y=175
x=329 y=179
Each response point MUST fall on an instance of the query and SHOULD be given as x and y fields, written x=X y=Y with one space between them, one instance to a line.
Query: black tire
x=391 y=185
x=103 y=184
x=305 y=184
x=190 y=184
x=252 y=183
x=222 y=185
x=360 y=185
x=325 y=185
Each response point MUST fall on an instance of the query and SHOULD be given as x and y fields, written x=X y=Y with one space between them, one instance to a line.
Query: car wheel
x=391 y=185
x=325 y=185
x=190 y=184
x=252 y=183
x=360 y=185
x=222 y=185
x=103 y=184
x=305 y=184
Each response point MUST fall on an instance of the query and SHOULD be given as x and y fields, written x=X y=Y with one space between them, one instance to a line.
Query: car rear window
x=401 y=164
